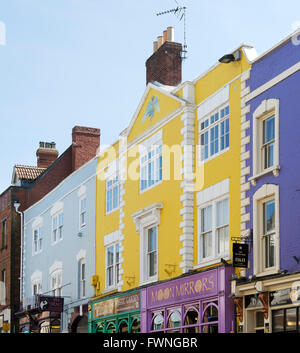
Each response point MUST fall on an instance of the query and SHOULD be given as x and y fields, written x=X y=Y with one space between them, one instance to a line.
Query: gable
x=154 y=107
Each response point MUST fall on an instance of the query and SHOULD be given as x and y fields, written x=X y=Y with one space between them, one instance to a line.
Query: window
x=4 y=233
x=151 y=252
x=37 y=240
x=82 y=212
x=36 y=288
x=214 y=230
x=268 y=126
x=82 y=278
x=112 y=265
x=56 y=283
x=112 y=193
x=151 y=167
x=57 y=227
x=268 y=234
x=266 y=229
x=286 y=320
x=214 y=133
x=266 y=138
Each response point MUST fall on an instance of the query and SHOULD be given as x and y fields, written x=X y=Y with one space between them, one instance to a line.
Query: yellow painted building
x=169 y=200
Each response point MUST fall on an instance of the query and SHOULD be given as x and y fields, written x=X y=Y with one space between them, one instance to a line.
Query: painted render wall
x=287 y=91
x=66 y=250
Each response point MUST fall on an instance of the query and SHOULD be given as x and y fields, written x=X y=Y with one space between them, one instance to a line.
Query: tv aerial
x=180 y=13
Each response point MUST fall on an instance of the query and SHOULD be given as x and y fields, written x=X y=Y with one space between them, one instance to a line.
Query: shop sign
x=240 y=255
x=5 y=326
x=117 y=305
x=285 y=296
x=195 y=286
x=54 y=304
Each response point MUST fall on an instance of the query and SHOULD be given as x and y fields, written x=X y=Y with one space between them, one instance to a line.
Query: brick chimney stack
x=165 y=64
x=85 y=144
x=46 y=154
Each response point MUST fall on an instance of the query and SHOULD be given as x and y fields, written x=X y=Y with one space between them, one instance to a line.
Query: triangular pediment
x=156 y=104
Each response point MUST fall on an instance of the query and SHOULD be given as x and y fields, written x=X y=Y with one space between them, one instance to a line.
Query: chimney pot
x=165 y=64
x=160 y=41
x=170 y=34
x=165 y=36
x=46 y=154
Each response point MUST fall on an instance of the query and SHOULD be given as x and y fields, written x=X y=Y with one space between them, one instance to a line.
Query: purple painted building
x=267 y=293
x=197 y=303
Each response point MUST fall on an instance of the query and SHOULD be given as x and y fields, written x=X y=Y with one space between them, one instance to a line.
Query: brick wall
x=165 y=65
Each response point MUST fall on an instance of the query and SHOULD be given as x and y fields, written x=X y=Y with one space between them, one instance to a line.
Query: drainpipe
x=17 y=205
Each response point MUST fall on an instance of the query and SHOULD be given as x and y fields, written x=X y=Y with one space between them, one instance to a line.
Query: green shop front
x=119 y=313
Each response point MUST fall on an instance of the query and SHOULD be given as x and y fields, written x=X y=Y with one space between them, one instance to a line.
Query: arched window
x=100 y=328
x=123 y=326
x=174 y=319
x=158 y=322
x=192 y=318
x=135 y=326
x=111 y=328
x=210 y=318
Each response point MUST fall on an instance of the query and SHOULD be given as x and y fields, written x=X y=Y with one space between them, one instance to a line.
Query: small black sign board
x=48 y=303
x=240 y=255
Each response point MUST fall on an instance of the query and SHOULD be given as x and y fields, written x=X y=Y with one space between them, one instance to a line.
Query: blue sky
x=82 y=62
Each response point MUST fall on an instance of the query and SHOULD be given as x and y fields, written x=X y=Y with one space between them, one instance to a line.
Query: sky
x=82 y=62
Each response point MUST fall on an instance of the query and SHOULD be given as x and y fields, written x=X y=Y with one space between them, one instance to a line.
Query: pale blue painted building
x=58 y=250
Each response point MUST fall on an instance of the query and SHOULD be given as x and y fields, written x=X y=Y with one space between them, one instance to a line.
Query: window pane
x=110 y=256
x=152 y=239
x=291 y=319
x=223 y=240
x=174 y=319
x=269 y=129
x=152 y=264
x=269 y=216
x=222 y=212
x=278 y=316
x=270 y=251
x=206 y=219
x=206 y=245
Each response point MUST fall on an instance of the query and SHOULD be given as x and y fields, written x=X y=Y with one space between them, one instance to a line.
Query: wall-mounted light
x=228 y=58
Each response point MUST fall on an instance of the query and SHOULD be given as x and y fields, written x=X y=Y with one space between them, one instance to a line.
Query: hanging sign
x=240 y=255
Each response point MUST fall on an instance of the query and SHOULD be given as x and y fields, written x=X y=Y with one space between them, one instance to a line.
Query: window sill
x=211 y=261
x=213 y=157
x=110 y=290
x=112 y=211
x=275 y=170
x=274 y=271
x=148 y=281
x=150 y=187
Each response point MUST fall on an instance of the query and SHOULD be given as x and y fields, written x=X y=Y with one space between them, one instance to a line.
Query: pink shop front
x=197 y=303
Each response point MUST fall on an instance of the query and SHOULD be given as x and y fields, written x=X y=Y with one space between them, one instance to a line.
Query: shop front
x=269 y=305
x=198 y=303
x=40 y=314
x=116 y=314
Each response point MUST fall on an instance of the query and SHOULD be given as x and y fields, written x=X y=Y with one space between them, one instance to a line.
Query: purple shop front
x=198 y=303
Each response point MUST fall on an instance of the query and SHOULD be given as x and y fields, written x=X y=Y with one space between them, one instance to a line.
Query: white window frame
x=146 y=253
x=215 y=256
x=82 y=280
x=39 y=230
x=114 y=266
x=36 y=280
x=262 y=195
x=82 y=212
x=265 y=110
x=152 y=145
x=56 y=289
x=146 y=219
x=211 y=125
x=58 y=229
x=114 y=179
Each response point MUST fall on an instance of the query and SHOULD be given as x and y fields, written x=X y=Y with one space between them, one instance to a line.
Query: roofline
x=58 y=185
x=243 y=45
x=276 y=46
